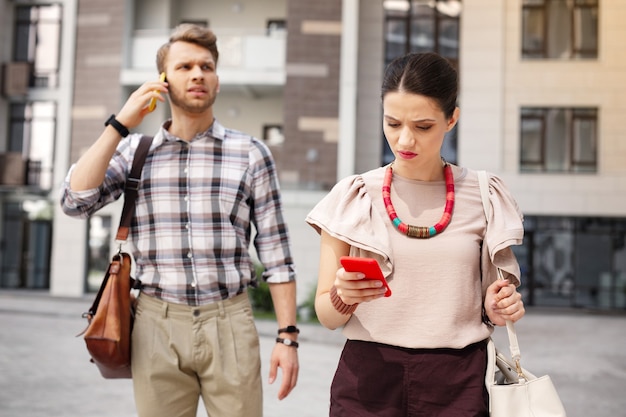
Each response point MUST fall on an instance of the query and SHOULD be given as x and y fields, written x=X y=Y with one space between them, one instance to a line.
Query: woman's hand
x=503 y=302
x=352 y=288
x=338 y=292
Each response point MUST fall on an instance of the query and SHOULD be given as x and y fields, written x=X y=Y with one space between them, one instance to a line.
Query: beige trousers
x=181 y=353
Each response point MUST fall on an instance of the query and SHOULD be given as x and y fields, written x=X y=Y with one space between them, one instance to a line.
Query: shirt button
x=187 y=226
x=189 y=255
x=193 y=285
x=196 y=313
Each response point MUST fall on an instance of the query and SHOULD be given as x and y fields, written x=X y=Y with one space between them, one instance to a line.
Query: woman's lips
x=406 y=155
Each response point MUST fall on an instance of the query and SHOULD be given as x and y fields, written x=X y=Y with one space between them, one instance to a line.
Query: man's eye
x=393 y=125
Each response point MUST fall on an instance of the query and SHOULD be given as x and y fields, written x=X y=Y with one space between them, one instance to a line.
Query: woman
x=421 y=351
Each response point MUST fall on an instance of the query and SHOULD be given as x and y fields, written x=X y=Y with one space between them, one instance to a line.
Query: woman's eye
x=424 y=128
x=393 y=125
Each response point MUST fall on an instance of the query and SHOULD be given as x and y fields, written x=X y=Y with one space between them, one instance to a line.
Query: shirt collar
x=215 y=131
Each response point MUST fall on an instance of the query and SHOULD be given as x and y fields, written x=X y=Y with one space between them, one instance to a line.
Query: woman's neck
x=431 y=170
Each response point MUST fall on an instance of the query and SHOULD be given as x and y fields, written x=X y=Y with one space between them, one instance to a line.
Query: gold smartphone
x=153 y=101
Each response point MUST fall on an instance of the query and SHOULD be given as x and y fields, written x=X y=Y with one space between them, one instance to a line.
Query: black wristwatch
x=121 y=129
x=287 y=342
x=289 y=329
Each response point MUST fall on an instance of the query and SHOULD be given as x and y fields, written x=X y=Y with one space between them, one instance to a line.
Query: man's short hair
x=191 y=33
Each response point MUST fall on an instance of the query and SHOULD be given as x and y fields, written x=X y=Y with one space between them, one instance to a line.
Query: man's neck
x=187 y=125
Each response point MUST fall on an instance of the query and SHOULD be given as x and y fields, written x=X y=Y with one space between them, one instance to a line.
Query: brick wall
x=308 y=157
x=97 y=88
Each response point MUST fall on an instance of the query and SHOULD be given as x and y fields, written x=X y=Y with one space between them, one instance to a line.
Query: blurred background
x=541 y=96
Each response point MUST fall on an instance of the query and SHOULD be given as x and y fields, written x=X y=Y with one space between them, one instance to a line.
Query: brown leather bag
x=110 y=318
x=110 y=321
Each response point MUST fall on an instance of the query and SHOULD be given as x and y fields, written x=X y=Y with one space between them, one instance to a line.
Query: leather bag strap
x=117 y=259
x=516 y=355
x=132 y=188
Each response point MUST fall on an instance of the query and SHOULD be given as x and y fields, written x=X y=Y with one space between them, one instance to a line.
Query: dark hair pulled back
x=427 y=74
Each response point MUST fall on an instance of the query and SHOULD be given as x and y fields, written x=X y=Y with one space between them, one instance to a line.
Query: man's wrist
x=287 y=342
x=115 y=124
x=289 y=329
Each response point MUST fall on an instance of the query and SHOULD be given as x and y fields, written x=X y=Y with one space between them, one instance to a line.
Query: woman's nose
x=406 y=136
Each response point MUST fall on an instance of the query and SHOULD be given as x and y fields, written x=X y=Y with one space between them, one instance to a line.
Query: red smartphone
x=368 y=266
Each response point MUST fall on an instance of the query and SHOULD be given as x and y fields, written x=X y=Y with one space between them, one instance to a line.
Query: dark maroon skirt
x=374 y=379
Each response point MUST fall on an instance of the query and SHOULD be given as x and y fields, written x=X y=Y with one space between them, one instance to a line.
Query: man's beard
x=196 y=106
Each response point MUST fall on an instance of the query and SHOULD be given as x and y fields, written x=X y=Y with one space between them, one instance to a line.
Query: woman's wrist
x=338 y=303
x=486 y=319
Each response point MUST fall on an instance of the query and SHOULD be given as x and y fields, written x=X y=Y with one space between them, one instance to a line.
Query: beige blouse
x=436 y=283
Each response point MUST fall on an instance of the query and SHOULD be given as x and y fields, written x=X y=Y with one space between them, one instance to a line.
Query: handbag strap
x=132 y=188
x=516 y=355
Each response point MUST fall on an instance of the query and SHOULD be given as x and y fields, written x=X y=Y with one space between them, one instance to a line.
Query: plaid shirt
x=197 y=201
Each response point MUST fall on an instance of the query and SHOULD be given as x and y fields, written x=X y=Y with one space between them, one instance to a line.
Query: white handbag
x=513 y=394
x=513 y=391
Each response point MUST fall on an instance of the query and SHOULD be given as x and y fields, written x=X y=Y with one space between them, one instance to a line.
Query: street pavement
x=45 y=370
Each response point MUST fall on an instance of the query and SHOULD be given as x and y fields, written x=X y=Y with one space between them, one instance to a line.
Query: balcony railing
x=19 y=172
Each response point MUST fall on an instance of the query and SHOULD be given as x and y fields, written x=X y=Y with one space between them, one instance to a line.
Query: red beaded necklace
x=421 y=232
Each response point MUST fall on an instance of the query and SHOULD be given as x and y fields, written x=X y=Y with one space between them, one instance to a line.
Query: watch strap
x=121 y=129
x=289 y=329
x=287 y=342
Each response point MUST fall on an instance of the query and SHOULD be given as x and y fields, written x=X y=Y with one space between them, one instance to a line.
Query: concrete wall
x=369 y=136
x=98 y=48
x=497 y=83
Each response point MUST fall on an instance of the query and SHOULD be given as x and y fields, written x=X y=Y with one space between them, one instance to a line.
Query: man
x=202 y=187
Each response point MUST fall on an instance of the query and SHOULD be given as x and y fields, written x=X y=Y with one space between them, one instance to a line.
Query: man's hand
x=286 y=358
x=138 y=104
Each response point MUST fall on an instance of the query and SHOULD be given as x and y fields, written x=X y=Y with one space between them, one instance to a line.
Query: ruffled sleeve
x=347 y=214
x=504 y=229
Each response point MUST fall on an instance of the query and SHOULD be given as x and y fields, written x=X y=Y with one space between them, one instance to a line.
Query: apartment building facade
x=541 y=89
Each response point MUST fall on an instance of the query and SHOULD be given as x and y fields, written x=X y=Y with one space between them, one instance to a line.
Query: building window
x=32 y=133
x=558 y=140
x=276 y=27
x=99 y=250
x=273 y=135
x=573 y=262
x=560 y=29
x=423 y=26
x=26 y=239
x=38 y=41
